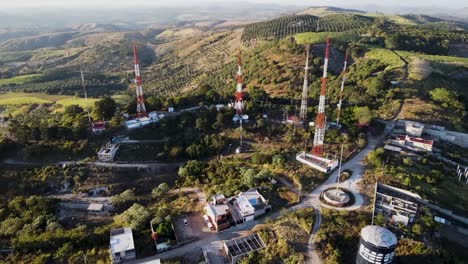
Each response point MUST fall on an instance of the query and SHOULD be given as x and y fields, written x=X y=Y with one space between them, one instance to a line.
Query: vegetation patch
x=286 y=239
x=20 y=79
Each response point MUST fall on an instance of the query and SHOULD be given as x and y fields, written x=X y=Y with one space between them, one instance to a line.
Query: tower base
x=316 y=162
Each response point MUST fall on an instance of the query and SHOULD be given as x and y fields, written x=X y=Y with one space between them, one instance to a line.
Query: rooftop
x=219 y=196
x=95 y=207
x=244 y=204
x=378 y=236
x=254 y=198
x=121 y=240
x=219 y=209
x=243 y=245
x=394 y=191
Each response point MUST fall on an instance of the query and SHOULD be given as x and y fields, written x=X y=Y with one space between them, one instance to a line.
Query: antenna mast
x=305 y=89
x=85 y=93
x=239 y=103
x=319 y=135
x=343 y=80
x=141 y=109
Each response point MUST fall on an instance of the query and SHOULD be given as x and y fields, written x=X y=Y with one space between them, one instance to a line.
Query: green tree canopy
x=135 y=217
x=105 y=108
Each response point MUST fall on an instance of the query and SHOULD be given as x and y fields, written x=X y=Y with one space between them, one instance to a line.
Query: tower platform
x=319 y=163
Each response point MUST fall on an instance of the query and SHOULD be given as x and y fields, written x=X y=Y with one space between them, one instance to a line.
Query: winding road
x=356 y=164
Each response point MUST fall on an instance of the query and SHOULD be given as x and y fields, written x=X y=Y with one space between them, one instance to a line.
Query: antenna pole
x=343 y=80
x=85 y=93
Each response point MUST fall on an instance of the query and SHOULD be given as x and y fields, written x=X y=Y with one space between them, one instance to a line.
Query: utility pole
x=339 y=168
x=85 y=93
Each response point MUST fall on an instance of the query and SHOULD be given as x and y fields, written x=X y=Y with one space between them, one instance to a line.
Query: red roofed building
x=415 y=142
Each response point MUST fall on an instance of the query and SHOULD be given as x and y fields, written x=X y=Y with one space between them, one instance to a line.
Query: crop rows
x=291 y=25
x=173 y=77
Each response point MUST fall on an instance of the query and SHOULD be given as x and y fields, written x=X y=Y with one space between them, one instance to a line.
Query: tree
x=164 y=229
x=160 y=190
x=257 y=94
x=123 y=198
x=363 y=115
x=105 y=108
x=73 y=109
x=392 y=41
x=136 y=217
x=446 y=98
x=379 y=220
x=375 y=157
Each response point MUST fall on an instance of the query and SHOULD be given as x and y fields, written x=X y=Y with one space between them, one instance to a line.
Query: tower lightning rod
x=343 y=80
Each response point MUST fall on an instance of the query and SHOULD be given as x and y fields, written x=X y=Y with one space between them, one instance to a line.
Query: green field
x=20 y=79
x=41 y=98
x=321 y=37
x=437 y=58
x=77 y=101
x=386 y=56
x=393 y=18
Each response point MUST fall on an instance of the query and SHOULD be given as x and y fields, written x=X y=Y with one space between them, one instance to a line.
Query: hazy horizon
x=451 y=4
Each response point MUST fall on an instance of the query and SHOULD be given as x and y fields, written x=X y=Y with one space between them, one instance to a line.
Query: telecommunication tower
x=319 y=136
x=305 y=87
x=141 y=109
x=343 y=80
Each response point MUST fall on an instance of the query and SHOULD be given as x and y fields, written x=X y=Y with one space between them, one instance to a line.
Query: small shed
x=95 y=208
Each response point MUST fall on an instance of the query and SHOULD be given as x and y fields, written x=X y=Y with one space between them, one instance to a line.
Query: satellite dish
x=245 y=117
x=235 y=119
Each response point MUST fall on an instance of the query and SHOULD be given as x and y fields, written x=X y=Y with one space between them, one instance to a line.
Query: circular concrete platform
x=336 y=197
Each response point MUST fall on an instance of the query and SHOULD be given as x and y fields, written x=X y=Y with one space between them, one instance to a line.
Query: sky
x=454 y=4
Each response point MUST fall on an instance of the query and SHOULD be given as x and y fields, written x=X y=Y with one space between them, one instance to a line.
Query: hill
x=37 y=42
x=327 y=10
x=290 y=25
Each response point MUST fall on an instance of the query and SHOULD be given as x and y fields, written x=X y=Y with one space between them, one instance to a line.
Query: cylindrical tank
x=376 y=245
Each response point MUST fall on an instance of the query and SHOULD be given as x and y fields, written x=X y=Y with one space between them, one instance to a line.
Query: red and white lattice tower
x=239 y=103
x=343 y=80
x=141 y=109
x=305 y=88
x=319 y=136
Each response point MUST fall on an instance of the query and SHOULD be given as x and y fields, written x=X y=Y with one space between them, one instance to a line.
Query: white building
x=141 y=121
x=122 y=247
x=414 y=128
x=95 y=208
x=251 y=204
x=108 y=152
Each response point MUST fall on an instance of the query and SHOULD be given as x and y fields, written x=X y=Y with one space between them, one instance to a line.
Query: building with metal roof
x=239 y=247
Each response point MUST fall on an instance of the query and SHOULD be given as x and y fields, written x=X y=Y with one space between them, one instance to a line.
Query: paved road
x=96 y=163
x=356 y=164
